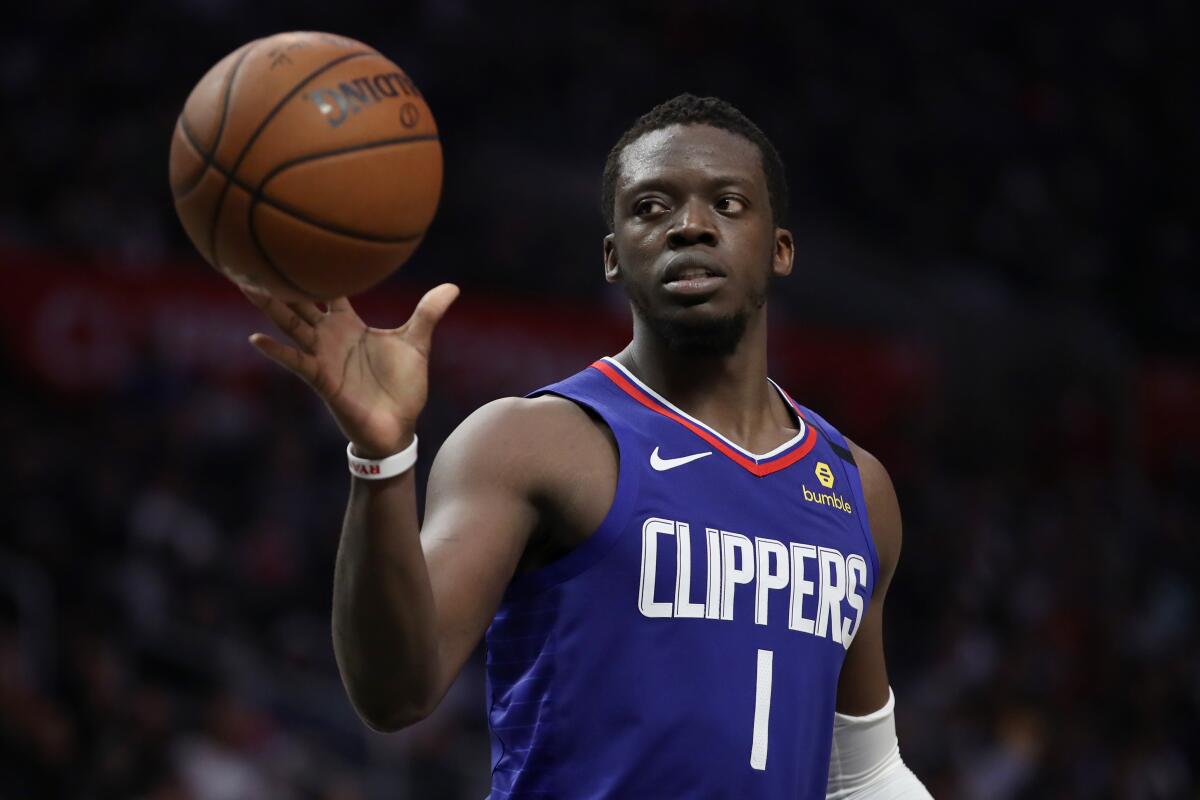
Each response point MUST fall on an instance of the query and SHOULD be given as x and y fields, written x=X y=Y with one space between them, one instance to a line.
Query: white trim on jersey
x=757 y=457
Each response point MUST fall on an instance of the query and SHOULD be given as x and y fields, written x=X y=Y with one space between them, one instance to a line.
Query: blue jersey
x=690 y=647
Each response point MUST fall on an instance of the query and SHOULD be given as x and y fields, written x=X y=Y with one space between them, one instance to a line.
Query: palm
x=374 y=381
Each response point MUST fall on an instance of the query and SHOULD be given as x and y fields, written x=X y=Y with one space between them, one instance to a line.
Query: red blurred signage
x=83 y=330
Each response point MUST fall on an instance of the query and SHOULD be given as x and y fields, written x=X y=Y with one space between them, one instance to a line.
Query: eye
x=648 y=206
x=731 y=204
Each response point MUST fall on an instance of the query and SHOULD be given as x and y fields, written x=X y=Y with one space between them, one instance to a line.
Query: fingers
x=256 y=296
x=307 y=312
x=300 y=363
x=294 y=319
x=429 y=312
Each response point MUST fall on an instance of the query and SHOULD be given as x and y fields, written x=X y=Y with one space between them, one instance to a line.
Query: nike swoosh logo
x=663 y=464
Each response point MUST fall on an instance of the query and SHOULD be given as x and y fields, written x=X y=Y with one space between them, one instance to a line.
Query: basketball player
x=680 y=570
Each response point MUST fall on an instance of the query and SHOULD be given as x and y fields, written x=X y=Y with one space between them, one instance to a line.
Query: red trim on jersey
x=795 y=406
x=780 y=462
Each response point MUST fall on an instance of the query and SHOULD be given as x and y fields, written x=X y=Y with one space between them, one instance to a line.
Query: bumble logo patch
x=830 y=499
x=824 y=474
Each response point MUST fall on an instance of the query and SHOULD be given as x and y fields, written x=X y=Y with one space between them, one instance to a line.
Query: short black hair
x=688 y=109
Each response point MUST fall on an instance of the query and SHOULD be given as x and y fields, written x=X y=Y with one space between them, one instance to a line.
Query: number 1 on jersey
x=762 y=710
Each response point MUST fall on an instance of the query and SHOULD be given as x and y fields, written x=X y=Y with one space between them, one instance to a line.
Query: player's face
x=693 y=241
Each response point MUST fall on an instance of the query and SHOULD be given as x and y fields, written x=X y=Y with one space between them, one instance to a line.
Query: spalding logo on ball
x=307 y=165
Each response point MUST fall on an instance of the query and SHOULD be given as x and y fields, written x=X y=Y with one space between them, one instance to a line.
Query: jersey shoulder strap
x=591 y=390
x=841 y=447
x=832 y=435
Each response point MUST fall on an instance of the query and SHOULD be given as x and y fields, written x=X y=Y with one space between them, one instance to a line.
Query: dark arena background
x=996 y=292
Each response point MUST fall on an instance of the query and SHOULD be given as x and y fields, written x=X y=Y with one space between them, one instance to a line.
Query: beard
x=710 y=337
x=716 y=336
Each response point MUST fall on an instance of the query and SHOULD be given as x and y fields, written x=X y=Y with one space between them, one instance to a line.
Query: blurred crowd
x=1028 y=151
x=167 y=563
x=1011 y=187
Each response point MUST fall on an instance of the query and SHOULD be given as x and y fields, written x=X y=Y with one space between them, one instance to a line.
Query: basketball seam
x=208 y=159
x=260 y=193
x=257 y=195
x=279 y=168
x=212 y=232
x=229 y=178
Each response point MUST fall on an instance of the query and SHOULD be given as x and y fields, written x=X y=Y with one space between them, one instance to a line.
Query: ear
x=785 y=251
x=612 y=270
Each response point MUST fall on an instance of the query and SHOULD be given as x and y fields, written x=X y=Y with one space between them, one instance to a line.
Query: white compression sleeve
x=865 y=764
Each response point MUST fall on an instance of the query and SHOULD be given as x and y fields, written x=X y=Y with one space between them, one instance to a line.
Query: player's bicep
x=863 y=682
x=472 y=542
x=479 y=514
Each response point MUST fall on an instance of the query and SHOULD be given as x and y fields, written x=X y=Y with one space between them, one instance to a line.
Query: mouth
x=689 y=275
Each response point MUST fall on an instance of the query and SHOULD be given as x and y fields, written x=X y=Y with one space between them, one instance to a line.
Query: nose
x=694 y=225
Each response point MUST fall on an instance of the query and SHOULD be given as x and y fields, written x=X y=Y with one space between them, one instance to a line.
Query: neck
x=730 y=393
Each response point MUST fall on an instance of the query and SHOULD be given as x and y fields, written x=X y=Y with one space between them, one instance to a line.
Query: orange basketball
x=306 y=164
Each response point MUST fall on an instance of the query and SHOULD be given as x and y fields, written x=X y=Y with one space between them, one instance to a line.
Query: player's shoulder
x=875 y=477
x=883 y=508
x=528 y=438
x=534 y=417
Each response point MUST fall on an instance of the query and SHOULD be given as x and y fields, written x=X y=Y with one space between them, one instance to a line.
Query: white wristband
x=376 y=470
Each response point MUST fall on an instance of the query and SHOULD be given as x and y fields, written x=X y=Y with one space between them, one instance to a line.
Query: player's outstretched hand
x=374 y=381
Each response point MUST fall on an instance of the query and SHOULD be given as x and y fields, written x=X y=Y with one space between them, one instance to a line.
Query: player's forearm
x=384 y=631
